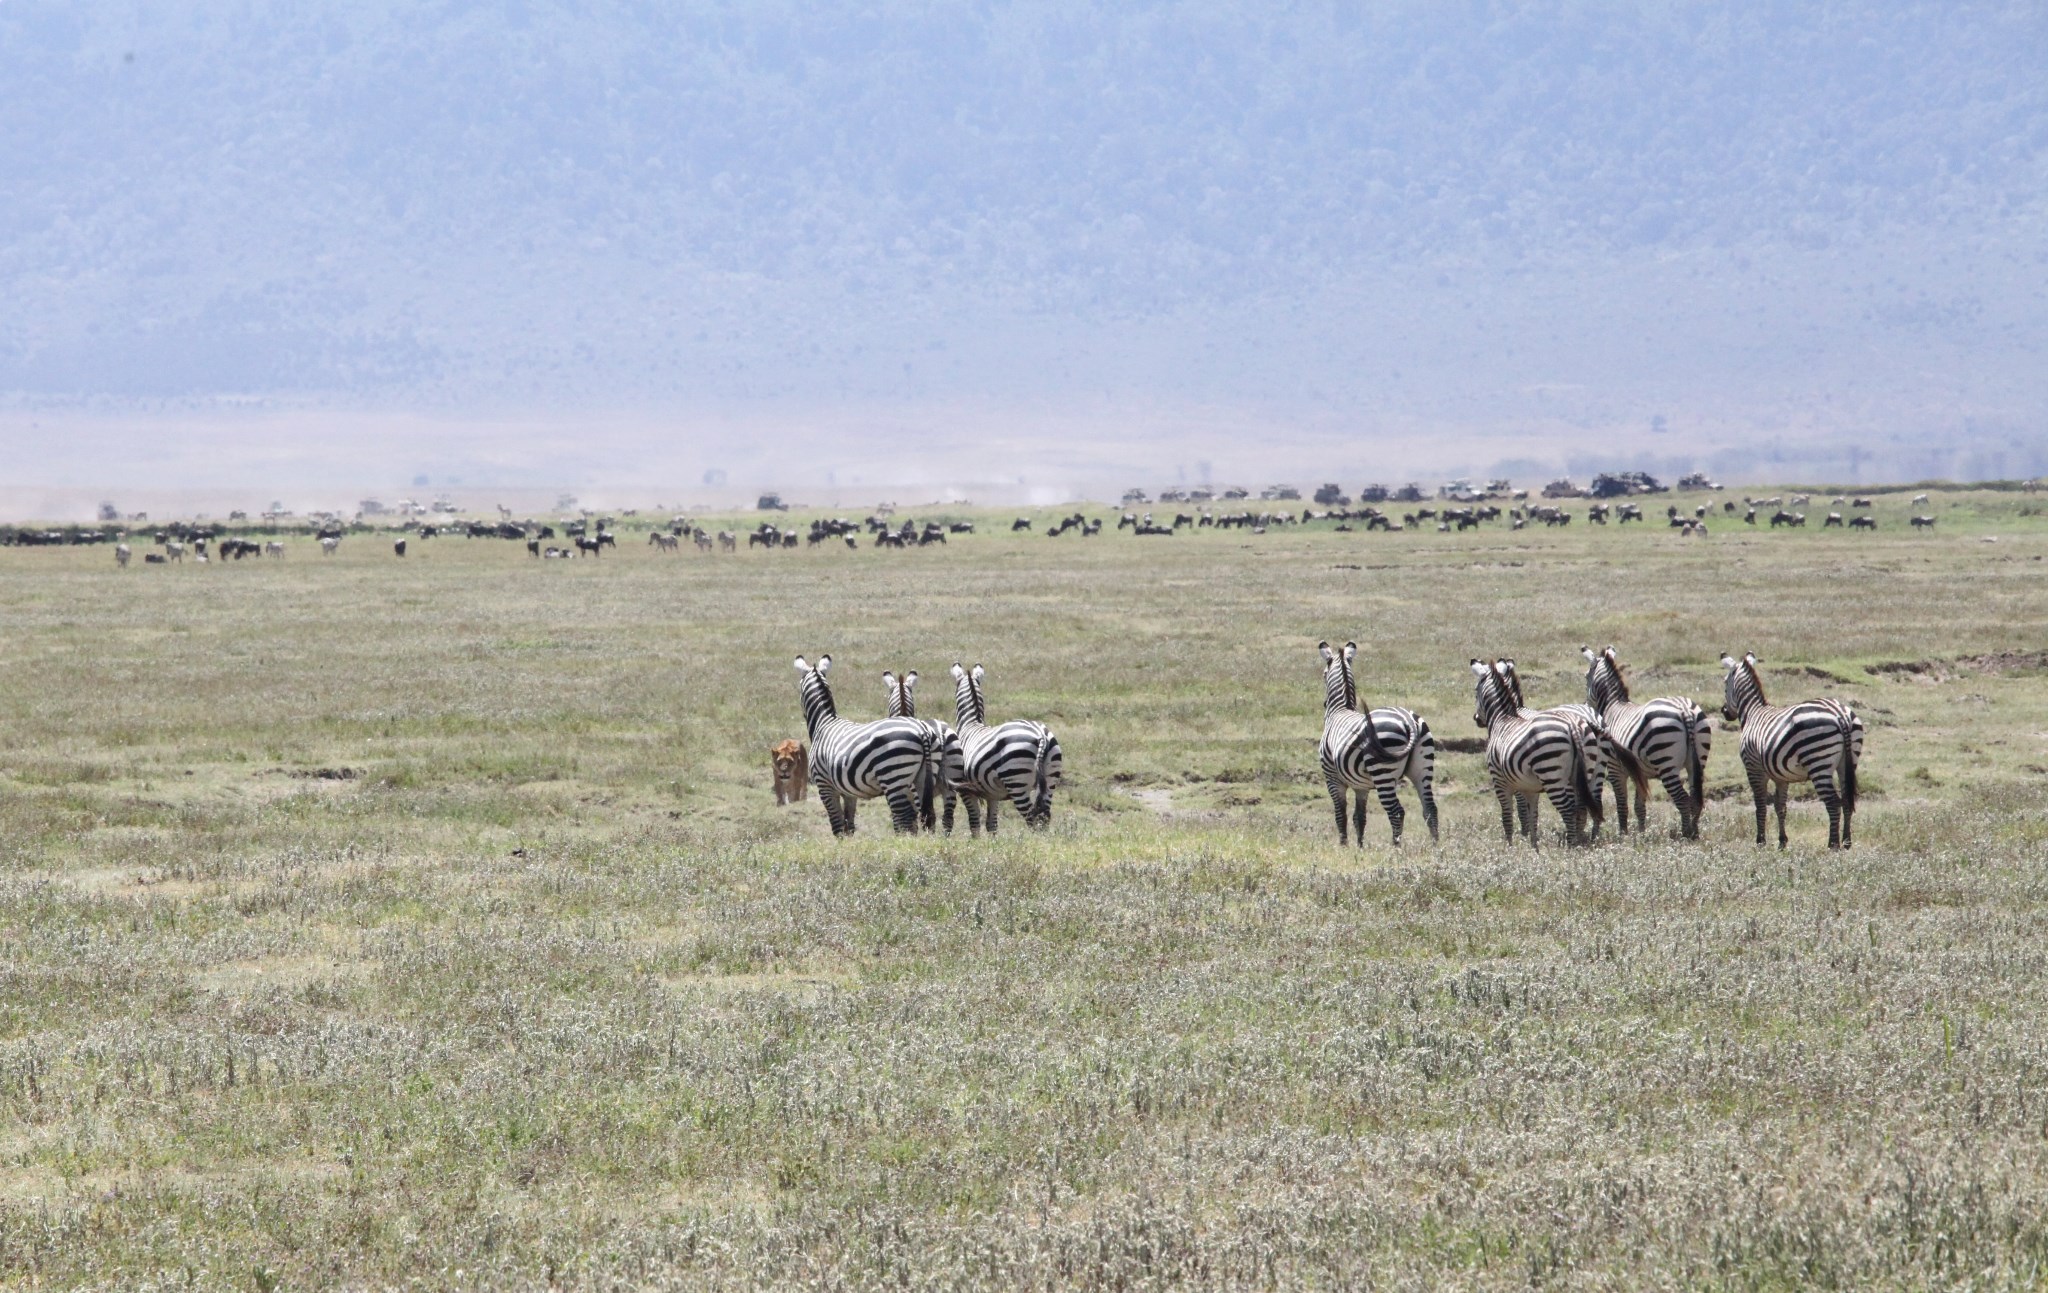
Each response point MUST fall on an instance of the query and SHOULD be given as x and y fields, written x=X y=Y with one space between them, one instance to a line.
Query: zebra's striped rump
x=1018 y=760
x=1667 y=738
x=1531 y=755
x=1375 y=750
x=942 y=777
x=1819 y=741
x=854 y=761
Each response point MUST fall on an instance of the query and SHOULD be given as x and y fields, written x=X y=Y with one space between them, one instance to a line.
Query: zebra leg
x=973 y=804
x=1525 y=807
x=1428 y=796
x=903 y=809
x=1358 y=816
x=847 y=804
x=1642 y=780
x=835 y=812
x=991 y=806
x=1759 y=789
x=1336 y=789
x=1390 y=804
x=1617 y=781
x=1567 y=804
x=952 y=801
x=1507 y=812
x=1784 y=793
x=1830 y=799
x=1681 y=799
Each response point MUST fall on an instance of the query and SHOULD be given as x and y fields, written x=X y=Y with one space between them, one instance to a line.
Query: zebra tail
x=1847 y=724
x=1582 y=786
x=1041 y=793
x=1695 y=767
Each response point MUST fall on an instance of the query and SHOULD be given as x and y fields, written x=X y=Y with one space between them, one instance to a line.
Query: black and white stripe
x=1668 y=738
x=1531 y=754
x=1820 y=741
x=942 y=777
x=1603 y=761
x=1375 y=750
x=854 y=761
x=1018 y=761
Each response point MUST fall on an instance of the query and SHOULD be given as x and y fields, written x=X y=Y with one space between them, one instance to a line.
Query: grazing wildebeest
x=1021 y=523
x=1833 y=519
x=1923 y=522
x=1863 y=523
x=154 y=558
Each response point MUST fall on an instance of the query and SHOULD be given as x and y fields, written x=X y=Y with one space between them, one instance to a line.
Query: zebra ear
x=910 y=681
x=977 y=673
x=1587 y=652
x=958 y=672
x=1329 y=656
x=802 y=665
x=888 y=678
x=1350 y=651
x=1728 y=662
x=824 y=665
x=1479 y=668
x=1751 y=660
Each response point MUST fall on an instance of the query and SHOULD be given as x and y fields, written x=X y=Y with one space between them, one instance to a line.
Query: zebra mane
x=1614 y=667
x=1506 y=668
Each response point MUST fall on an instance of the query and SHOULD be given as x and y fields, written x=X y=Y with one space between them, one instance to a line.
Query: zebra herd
x=910 y=761
x=1563 y=754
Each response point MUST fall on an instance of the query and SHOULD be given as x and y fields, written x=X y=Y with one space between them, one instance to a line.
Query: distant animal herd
x=1563 y=754
x=591 y=536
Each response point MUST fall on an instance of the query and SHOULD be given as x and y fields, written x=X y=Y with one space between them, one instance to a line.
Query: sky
x=1012 y=253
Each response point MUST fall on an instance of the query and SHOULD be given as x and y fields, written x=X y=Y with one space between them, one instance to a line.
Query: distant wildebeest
x=1863 y=523
x=792 y=771
x=154 y=558
x=121 y=552
x=588 y=546
x=701 y=539
x=533 y=547
x=273 y=548
x=1834 y=519
x=1919 y=498
x=174 y=551
x=666 y=542
x=328 y=543
x=1021 y=523
x=1923 y=522
x=399 y=547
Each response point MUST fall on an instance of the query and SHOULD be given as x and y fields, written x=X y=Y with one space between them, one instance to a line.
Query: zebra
x=1668 y=738
x=854 y=761
x=1018 y=761
x=1604 y=758
x=1375 y=749
x=1530 y=754
x=943 y=778
x=1816 y=740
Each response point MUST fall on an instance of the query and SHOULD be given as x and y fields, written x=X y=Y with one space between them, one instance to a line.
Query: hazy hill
x=1438 y=213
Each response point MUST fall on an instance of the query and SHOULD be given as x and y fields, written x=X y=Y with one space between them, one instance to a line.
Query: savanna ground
x=376 y=923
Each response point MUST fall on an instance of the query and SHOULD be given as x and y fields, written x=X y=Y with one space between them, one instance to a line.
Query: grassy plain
x=371 y=922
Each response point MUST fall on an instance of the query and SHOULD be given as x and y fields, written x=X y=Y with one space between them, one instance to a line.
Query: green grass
x=370 y=921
